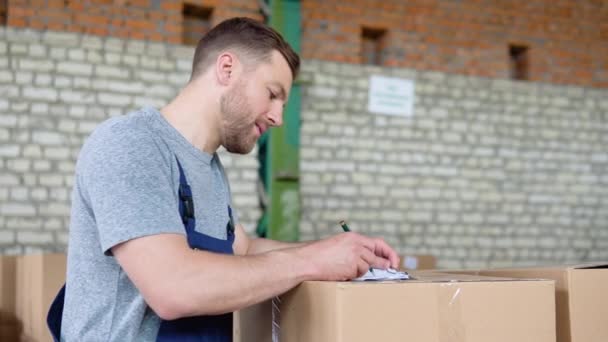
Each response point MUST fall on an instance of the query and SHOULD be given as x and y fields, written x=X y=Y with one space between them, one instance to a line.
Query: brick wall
x=567 y=40
x=54 y=89
x=135 y=19
x=2 y=12
x=485 y=173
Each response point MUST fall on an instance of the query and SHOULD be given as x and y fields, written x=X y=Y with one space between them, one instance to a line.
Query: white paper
x=380 y=274
x=391 y=95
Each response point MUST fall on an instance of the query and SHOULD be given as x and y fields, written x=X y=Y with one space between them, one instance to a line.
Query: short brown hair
x=247 y=36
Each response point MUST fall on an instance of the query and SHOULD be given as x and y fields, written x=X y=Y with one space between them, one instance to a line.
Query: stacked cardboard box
x=581 y=298
x=39 y=278
x=246 y=320
x=434 y=307
x=253 y=323
x=418 y=262
x=474 y=305
x=10 y=328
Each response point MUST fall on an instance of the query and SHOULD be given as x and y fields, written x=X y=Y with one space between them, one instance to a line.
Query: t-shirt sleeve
x=129 y=183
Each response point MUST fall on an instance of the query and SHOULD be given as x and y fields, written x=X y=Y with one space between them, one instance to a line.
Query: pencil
x=344 y=226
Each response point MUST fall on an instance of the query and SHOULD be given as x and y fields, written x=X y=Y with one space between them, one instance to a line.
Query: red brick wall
x=568 y=39
x=136 y=19
x=2 y=12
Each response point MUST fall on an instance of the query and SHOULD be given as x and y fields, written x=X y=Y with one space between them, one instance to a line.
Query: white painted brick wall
x=485 y=173
x=55 y=88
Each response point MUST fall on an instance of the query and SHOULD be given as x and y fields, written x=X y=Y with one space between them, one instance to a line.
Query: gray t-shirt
x=126 y=187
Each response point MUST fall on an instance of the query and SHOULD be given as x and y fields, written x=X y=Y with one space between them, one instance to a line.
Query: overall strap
x=186 y=203
x=55 y=315
x=214 y=328
x=197 y=240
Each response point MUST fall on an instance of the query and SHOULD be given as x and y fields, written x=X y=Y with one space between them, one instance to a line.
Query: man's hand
x=347 y=256
x=169 y=274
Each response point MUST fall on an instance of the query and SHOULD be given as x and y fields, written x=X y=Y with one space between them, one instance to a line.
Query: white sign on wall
x=390 y=95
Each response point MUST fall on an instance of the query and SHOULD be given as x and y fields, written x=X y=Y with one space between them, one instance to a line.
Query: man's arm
x=177 y=281
x=244 y=245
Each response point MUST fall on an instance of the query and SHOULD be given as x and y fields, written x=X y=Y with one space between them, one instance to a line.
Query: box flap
x=439 y=307
x=593 y=265
x=440 y=277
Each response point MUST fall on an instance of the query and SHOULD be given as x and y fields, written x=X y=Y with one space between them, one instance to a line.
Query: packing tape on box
x=451 y=326
x=276 y=319
x=449 y=307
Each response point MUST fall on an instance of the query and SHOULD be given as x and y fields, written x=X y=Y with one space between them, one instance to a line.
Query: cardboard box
x=8 y=274
x=39 y=278
x=581 y=298
x=418 y=262
x=247 y=326
x=253 y=324
x=435 y=307
x=10 y=327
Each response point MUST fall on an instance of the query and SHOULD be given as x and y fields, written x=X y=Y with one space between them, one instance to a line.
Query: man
x=155 y=251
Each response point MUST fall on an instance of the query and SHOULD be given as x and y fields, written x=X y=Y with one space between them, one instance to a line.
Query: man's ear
x=225 y=68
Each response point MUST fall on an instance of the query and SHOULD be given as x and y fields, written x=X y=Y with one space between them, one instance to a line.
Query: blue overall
x=190 y=329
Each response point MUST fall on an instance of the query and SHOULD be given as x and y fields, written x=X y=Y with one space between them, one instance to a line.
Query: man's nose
x=275 y=115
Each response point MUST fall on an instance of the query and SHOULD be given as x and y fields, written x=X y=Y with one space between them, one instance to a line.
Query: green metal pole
x=283 y=145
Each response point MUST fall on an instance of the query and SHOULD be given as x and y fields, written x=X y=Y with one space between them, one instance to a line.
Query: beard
x=237 y=121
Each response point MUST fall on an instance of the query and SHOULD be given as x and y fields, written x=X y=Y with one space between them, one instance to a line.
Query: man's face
x=254 y=103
